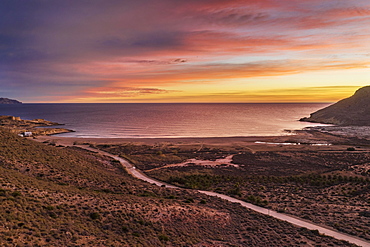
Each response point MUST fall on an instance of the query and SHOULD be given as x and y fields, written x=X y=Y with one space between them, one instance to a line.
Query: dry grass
x=330 y=187
x=55 y=196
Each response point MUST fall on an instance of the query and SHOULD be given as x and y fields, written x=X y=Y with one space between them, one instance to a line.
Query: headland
x=33 y=127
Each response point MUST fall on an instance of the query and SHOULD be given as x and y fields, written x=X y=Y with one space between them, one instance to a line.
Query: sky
x=77 y=51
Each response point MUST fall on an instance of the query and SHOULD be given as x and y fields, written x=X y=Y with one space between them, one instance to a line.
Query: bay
x=131 y=120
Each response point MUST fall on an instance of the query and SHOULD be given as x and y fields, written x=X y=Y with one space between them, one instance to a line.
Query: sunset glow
x=184 y=51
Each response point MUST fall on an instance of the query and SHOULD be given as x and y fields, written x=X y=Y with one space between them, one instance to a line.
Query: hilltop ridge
x=354 y=111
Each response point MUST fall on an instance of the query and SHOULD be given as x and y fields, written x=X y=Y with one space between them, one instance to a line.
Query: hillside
x=354 y=110
x=57 y=196
x=9 y=101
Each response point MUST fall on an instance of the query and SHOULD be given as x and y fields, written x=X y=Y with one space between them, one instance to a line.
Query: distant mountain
x=354 y=110
x=7 y=101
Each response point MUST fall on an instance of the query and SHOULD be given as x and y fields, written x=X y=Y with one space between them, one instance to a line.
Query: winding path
x=291 y=219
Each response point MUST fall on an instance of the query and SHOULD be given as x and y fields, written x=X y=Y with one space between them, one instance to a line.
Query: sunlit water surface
x=169 y=120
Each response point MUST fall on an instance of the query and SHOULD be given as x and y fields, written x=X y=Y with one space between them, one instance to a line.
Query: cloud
x=206 y=73
x=124 y=92
x=158 y=62
x=327 y=94
x=232 y=17
x=73 y=47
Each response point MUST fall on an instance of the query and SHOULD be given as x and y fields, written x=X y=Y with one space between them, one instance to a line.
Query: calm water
x=169 y=120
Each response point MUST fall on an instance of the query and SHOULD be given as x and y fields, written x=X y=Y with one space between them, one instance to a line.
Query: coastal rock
x=352 y=111
x=20 y=126
x=7 y=101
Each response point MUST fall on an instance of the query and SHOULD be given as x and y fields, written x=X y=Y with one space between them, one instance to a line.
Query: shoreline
x=147 y=140
x=320 y=134
x=299 y=140
x=35 y=127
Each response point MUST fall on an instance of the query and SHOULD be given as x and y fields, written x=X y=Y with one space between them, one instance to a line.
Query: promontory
x=7 y=101
x=352 y=111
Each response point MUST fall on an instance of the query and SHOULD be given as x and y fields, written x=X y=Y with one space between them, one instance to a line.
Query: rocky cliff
x=354 y=110
x=7 y=101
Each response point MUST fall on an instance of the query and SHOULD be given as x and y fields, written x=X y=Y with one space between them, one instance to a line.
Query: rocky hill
x=354 y=111
x=7 y=101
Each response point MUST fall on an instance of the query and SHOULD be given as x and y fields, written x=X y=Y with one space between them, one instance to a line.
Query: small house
x=26 y=134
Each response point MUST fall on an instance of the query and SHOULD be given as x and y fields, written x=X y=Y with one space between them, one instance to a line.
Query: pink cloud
x=134 y=47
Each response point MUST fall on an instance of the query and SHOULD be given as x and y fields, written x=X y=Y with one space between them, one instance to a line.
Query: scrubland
x=328 y=185
x=60 y=196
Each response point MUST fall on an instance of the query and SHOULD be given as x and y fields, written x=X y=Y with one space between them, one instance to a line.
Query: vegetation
x=19 y=126
x=331 y=187
x=149 y=157
x=317 y=197
x=55 y=196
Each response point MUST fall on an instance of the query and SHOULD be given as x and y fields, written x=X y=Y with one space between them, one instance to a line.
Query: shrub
x=49 y=207
x=315 y=232
x=189 y=200
x=2 y=192
x=95 y=216
x=16 y=193
x=163 y=238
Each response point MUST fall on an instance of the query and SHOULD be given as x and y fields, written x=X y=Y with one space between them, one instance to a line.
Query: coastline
x=170 y=120
x=35 y=127
x=309 y=139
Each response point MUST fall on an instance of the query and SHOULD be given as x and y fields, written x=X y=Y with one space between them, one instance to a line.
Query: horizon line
x=295 y=102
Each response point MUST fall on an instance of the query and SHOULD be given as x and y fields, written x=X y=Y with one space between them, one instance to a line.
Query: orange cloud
x=124 y=92
x=138 y=49
x=214 y=72
x=303 y=95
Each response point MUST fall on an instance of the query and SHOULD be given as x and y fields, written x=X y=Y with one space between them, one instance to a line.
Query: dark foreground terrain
x=57 y=196
x=328 y=185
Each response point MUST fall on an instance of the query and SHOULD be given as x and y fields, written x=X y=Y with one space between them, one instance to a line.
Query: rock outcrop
x=7 y=101
x=352 y=111
x=19 y=126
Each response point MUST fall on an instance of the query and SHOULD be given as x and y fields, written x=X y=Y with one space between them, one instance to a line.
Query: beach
x=299 y=140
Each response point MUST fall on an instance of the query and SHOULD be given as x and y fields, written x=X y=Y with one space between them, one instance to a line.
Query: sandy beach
x=299 y=140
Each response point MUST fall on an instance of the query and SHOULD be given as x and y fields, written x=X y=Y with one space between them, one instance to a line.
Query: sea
x=169 y=120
